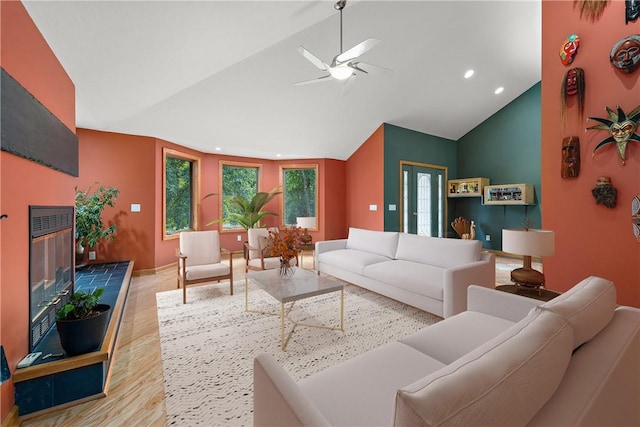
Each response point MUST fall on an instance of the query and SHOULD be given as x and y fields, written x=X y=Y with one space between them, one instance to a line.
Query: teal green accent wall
x=413 y=146
x=505 y=148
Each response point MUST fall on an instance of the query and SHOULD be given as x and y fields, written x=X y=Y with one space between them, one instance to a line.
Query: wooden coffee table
x=303 y=284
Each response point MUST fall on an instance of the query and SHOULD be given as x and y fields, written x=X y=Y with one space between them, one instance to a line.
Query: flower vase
x=285 y=269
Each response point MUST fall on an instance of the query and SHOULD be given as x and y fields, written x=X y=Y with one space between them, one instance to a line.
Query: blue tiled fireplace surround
x=62 y=380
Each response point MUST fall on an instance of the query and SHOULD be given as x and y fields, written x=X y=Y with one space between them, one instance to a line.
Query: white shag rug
x=208 y=345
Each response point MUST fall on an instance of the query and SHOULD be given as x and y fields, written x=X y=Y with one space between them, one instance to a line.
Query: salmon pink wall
x=27 y=58
x=127 y=163
x=590 y=239
x=365 y=183
x=333 y=201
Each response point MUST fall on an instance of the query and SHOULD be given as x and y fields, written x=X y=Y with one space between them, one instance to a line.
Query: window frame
x=195 y=189
x=223 y=163
x=283 y=168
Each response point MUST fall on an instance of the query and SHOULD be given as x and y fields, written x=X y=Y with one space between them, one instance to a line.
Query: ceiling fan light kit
x=345 y=64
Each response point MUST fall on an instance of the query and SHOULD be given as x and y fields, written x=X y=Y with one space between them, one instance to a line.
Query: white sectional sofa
x=429 y=273
x=506 y=361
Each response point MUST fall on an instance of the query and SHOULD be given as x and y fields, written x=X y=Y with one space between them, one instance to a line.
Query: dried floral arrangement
x=285 y=243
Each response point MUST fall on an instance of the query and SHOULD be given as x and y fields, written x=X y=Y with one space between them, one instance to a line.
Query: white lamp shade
x=306 y=221
x=528 y=242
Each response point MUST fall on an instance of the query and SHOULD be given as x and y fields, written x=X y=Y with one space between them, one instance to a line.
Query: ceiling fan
x=344 y=65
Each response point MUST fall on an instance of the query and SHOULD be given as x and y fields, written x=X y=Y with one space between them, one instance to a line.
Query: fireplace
x=51 y=269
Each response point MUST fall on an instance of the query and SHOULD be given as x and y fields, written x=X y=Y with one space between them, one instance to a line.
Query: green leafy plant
x=89 y=207
x=247 y=213
x=80 y=306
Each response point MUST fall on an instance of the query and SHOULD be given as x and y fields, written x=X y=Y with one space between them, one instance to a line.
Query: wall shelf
x=508 y=194
x=467 y=187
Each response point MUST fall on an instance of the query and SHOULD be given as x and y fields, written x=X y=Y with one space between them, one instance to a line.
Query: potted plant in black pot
x=89 y=226
x=82 y=322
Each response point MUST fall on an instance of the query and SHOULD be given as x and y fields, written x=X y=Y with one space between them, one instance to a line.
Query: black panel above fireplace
x=31 y=131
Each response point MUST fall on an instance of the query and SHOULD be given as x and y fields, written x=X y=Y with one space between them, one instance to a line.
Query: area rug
x=208 y=345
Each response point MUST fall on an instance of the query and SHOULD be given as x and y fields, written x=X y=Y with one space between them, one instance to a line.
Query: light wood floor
x=136 y=392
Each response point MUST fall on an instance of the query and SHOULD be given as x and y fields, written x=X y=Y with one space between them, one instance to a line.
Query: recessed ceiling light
x=468 y=74
x=499 y=90
x=278 y=155
x=218 y=148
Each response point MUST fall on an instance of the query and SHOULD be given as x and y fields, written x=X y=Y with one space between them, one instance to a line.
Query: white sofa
x=429 y=273
x=506 y=361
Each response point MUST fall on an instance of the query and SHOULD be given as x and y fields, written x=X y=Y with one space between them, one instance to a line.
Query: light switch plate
x=135 y=207
x=373 y=207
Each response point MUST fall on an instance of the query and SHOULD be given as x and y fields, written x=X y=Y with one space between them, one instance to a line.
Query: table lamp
x=306 y=222
x=528 y=242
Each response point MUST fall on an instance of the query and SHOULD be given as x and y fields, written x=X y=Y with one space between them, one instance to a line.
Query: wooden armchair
x=200 y=260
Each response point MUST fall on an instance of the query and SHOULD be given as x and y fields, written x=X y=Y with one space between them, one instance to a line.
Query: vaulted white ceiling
x=219 y=74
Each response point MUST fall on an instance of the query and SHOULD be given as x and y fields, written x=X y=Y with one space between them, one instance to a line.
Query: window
x=180 y=178
x=237 y=179
x=300 y=195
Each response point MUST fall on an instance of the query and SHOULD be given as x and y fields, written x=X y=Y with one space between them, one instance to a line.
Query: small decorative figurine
x=605 y=193
x=622 y=128
x=569 y=49
x=570 y=157
x=632 y=10
x=625 y=54
x=573 y=84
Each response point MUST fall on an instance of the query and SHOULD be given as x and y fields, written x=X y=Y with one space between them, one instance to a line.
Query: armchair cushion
x=196 y=272
x=200 y=247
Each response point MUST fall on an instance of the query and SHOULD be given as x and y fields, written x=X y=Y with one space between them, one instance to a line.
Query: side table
x=546 y=294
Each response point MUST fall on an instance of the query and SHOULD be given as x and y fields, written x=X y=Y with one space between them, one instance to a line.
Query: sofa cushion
x=361 y=391
x=382 y=243
x=460 y=334
x=350 y=260
x=437 y=251
x=503 y=382
x=411 y=276
x=588 y=307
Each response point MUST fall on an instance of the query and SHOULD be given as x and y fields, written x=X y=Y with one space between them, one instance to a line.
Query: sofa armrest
x=457 y=280
x=500 y=304
x=326 y=246
x=277 y=399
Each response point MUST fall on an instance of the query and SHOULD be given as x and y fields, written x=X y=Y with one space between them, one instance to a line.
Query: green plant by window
x=89 y=207
x=247 y=213
x=239 y=187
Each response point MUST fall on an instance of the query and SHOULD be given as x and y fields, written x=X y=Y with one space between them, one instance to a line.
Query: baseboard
x=152 y=271
x=12 y=419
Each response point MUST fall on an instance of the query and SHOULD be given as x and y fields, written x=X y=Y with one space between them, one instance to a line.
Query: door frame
x=403 y=163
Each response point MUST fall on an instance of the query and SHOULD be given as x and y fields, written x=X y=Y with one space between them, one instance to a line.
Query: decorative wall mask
x=573 y=84
x=622 y=128
x=590 y=9
x=632 y=10
x=570 y=157
x=625 y=54
x=635 y=216
x=604 y=193
x=569 y=49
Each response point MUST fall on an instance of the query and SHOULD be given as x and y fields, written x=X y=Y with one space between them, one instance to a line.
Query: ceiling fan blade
x=319 y=79
x=313 y=59
x=357 y=50
x=366 y=67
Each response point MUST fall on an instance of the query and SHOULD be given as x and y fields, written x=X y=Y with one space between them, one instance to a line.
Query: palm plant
x=247 y=213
